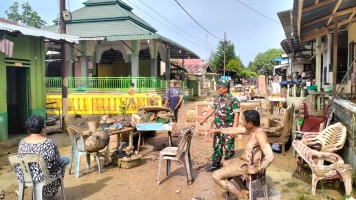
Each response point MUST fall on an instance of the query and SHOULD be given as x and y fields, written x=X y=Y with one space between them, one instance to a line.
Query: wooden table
x=141 y=127
x=127 y=130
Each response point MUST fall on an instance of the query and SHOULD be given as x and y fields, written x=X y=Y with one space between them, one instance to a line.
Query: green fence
x=102 y=84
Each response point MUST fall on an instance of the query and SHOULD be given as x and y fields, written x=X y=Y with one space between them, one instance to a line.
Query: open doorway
x=17 y=99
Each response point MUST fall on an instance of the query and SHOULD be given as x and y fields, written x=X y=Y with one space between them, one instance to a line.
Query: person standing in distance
x=227 y=111
x=174 y=98
x=131 y=100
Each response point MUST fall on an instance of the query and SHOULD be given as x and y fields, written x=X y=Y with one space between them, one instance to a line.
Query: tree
x=216 y=59
x=264 y=62
x=28 y=17
x=250 y=64
x=235 y=65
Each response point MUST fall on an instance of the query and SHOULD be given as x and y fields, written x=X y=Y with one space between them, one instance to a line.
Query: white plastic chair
x=23 y=159
x=180 y=153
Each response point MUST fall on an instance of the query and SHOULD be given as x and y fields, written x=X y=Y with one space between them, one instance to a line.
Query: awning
x=13 y=27
x=312 y=20
x=286 y=19
x=282 y=66
x=293 y=46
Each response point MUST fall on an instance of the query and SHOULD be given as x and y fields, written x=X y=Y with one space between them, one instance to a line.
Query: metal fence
x=112 y=84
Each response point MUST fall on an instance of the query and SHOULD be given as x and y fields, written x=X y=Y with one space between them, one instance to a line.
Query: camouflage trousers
x=220 y=142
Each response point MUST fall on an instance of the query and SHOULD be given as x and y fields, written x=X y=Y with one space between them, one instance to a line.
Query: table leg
x=139 y=140
x=169 y=138
x=131 y=139
x=107 y=152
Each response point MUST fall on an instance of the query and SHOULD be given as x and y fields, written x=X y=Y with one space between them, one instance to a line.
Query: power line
x=175 y=25
x=197 y=21
x=258 y=12
x=161 y=22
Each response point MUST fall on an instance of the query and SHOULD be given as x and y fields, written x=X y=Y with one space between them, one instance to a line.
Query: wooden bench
x=324 y=166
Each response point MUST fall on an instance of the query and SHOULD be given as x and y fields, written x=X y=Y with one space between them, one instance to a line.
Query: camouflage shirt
x=225 y=109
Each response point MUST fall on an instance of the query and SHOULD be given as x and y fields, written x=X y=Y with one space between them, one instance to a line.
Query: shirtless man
x=240 y=166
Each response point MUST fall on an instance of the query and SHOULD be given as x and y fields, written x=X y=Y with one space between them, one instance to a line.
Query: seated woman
x=240 y=166
x=36 y=143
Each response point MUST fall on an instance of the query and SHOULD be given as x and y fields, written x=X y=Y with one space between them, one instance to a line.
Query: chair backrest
x=287 y=122
x=332 y=138
x=76 y=134
x=184 y=143
x=24 y=159
x=255 y=150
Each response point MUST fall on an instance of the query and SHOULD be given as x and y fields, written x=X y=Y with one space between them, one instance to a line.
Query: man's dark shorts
x=175 y=112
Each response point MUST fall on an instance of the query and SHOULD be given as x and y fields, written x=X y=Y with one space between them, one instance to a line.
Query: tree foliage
x=216 y=59
x=235 y=65
x=27 y=17
x=264 y=62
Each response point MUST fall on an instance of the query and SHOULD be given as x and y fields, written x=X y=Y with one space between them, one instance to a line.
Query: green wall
x=193 y=84
x=30 y=52
x=3 y=104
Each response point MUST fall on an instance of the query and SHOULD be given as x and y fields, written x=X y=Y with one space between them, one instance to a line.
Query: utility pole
x=63 y=29
x=224 y=52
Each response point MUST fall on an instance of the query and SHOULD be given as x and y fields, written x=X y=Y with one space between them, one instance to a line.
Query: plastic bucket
x=93 y=126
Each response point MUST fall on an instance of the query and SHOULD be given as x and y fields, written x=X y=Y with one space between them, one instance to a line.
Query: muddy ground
x=140 y=182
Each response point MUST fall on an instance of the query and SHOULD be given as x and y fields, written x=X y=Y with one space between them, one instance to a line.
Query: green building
x=114 y=42
x=22 y=74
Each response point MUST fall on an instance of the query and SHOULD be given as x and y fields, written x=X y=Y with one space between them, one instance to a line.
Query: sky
x=250 y=32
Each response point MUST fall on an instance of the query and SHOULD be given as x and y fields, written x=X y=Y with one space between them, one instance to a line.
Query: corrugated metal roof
x=106 y=10
x=318 y=13
x=103 y=29
x=286 y=19
x=194 y=66
x=293 y=46
x=13 y=27
x=281 y=66
x=98 y=2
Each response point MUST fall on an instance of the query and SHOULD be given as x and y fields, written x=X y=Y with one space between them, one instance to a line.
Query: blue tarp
x=153 y=127
x=289 y=83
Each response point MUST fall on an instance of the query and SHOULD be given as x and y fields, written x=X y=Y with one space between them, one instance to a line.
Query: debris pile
x=123 y=151
x=112 y=123
x=155 y=116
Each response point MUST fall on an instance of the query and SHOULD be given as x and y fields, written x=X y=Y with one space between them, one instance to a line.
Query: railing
x=103 y=104
x=101 y=84
x=183 y=85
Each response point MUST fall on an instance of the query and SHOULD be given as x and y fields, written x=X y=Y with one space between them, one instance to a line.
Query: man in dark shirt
x=174 y=97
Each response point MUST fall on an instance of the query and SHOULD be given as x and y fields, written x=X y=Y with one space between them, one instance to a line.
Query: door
x=17 y=99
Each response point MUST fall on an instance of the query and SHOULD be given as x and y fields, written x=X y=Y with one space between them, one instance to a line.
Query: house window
x=307 y=68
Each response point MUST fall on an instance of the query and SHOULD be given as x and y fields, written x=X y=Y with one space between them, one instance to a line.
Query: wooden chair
x=248 y=179
x=180 y=153
x=279 y=132
x=25 y=160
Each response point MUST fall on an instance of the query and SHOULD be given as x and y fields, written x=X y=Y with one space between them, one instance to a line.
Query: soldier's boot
x=213 y=167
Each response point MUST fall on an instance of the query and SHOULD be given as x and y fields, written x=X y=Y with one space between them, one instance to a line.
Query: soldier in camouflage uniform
x=226 y=109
